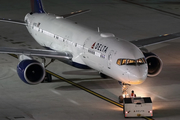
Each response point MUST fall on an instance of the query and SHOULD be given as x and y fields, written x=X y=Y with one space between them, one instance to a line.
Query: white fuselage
x=99 y=51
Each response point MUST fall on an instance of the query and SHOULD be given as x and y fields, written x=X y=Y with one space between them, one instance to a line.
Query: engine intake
x=154 y=64
x=31 y=71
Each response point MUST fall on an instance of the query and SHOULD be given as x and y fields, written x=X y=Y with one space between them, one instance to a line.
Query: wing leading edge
x=74 y=13
x=61 y=16
x=13 y=21
x=155 y=40
x=37 y=52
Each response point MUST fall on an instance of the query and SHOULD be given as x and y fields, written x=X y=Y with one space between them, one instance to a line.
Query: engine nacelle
x=154 y=64
x=31 y=71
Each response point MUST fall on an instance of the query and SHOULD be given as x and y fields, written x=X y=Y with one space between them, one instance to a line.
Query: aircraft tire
x=47 y=78
x=103 y=75
x=120 y=99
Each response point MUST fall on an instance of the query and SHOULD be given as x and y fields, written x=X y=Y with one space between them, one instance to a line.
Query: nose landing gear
x=124 y=92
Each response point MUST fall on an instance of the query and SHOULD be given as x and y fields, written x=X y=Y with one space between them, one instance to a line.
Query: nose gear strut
x=124 y=92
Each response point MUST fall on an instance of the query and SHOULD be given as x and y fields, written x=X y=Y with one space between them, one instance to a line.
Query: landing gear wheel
x=121 y=99
x=47 y=78
x=103 y=75
x=124 y=92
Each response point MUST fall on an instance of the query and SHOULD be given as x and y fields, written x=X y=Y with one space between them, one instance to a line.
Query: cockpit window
x=144 y=60
x=131 y=61
x=119 y=62
x=123 y=62
x=140 y=61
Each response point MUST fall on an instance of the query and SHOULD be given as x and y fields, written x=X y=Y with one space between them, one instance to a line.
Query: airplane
x=84 y=48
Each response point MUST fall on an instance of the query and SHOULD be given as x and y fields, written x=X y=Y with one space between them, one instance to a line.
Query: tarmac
x=59 y=100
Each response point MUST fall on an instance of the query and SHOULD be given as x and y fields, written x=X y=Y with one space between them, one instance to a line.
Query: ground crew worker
x=132 y=94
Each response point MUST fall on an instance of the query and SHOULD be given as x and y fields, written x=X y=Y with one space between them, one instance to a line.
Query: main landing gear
x=103 y=75
x=124 y=92
x=48 y=77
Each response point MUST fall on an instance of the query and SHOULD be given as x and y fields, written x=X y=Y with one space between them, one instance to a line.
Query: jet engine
x=154 y=64
x=31 y=71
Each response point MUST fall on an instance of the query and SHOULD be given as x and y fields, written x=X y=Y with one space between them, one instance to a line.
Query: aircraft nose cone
x=137 y=75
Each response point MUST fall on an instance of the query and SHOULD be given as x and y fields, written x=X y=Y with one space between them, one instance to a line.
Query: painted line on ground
x=91 y=92
x=85 y=89
x=163 y=11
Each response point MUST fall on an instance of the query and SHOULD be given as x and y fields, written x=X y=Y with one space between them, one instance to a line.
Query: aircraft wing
x=12 y=21
x=74 y=13
x=37 y=52
x=155 y=40
x=62 y=16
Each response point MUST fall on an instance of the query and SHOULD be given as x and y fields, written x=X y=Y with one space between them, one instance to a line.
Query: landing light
x=125 y=95
x=165 y=34
x=136 y=82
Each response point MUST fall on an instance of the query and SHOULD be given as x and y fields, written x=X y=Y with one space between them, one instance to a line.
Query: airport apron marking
x=90 y=91
x=85 y=89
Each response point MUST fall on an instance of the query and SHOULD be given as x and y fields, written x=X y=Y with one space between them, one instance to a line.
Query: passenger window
x=119 y=62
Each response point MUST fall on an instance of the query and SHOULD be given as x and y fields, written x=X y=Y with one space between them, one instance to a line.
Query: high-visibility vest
x=133 y=95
